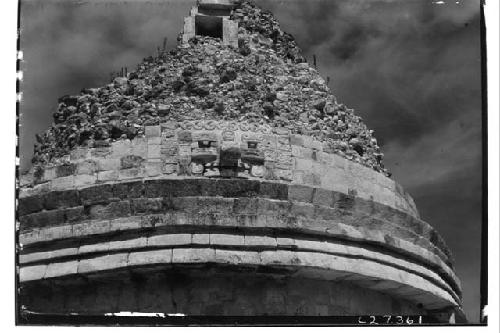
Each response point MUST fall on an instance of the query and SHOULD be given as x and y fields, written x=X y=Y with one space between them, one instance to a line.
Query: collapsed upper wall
x=257 y=76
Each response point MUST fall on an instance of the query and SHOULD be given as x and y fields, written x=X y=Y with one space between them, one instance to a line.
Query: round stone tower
x=222 y=178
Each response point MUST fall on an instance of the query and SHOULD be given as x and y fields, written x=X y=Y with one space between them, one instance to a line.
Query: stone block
x=238 y=188
x=322 y=197
x=285 y=175
x=285 y=243
x=108 y=262
x=160 y=188
x=37 y=256
x=65 y=170
x=120 y=148
x=187 y=187
x=272 y=207
x=53 y=233
x=260 y=241
x=41 y=188
x=327 y=213
x=131 y=161
x=297 y=177
x=41 y=219
x=152 y=131
x=226 y=239
x=87 y=167
x=31 y=273
x=170 y=168
x=193 y=255
x=105 y=164
x=237 y=257
x=307 y=153
x=91 y=248
x=207 y=187
x=74 y=214
x=61 y=199
x=189 y=29
x=126 y=223
x=29 y=237
x=277 y=191
x=345 y=230
x=154 y=152
x=230 y=32
x=319 y=260
x=100 y=152
x=163 y=256
x=96 y=194
x=296 y=140
x=62 y=183
x=216 y=4
x=58 y=269
x=224 y=206
x=201 y=239
x=49 y=173
x=245 y=206
x=303 y=164
x=279 y=257
x=30 y=205
x=83 y=180
x=128 y=244
x=112 y=210
x=133 y=173
x=146 y=205
x=311 y=245
x=300 y=209
x=169 y=146
x=300 y=193
x=184 y=137
x=169 y=240
x=157 y=140
x=107 y=176
x=139 y=148
x=186 y=205
x=31 y=257
x=311 y=178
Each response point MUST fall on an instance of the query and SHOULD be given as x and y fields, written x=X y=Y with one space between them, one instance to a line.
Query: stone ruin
x=254 y=73
x=222 y=178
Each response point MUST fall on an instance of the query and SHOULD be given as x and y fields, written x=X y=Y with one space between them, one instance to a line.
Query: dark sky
x=410 y=69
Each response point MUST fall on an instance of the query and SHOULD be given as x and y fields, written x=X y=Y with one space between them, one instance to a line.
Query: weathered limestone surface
x=172 y=150
x=247 y=242
x=303 y=198
x=213 y=215
x=216 y=292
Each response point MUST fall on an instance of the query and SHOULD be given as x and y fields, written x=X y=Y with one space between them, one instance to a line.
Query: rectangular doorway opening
x=208 y=26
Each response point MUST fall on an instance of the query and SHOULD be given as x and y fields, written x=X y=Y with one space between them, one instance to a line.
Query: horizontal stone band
x=370 y=274
x=166 y=152
x=72 y=206
x=93 y=233
x=243 y=242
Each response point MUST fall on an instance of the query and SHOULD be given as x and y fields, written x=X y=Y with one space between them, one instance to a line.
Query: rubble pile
x=264 y=81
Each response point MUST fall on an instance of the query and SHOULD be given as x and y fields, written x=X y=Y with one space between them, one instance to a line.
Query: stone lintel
x=216 y=4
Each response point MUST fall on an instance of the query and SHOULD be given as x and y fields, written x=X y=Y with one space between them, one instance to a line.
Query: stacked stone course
x=203 y=206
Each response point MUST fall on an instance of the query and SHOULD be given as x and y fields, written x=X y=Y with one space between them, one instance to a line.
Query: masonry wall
x=232 y=196
x=213 y=292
